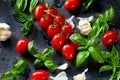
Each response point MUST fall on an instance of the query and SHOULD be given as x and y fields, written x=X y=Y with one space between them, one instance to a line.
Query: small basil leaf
x=105 y=55
x=118 y=75
x=37 y=62
x=19 y=67
x=86 y=5
x=105 y=28
x=6 y=75
x=26 y=28
x=50 y=65
x=81 y=48
x=20 y=5
x=81 y=57
x=33 y=4
x=77 y=38
x=20 y=17
x=95 y=54
x=105 y=68
x=101 y=18
x=32 y=50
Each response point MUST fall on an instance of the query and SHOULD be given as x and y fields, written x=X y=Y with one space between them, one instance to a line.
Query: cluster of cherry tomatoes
x=57 y=29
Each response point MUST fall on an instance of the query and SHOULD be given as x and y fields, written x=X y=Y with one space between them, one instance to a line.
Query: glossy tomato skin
x=53 y=30
x=109 y=38
x=40 y=75
x=59 y=20
x=67 y=30
x=52 y=11
x=44 y=22
x=58 y=41
x=68 y=51
x=71 y=5
x=75 y=45
x=21 y=45
x=39 y=11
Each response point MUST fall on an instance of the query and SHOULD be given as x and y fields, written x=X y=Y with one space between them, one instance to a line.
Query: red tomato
x=67 y=30
x=45 y=21
x=59 y=20
x=52 y=12
x=39 y=11
x=21 y=45
x=75 y=45
x=53 y=30
x=58 y=41
x=109 y=38
x=71 y=4
x=68 y=51
x=40 y=75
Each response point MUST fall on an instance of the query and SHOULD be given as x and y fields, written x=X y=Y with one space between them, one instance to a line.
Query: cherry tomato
x=21 y=45
x=58 y=41
x=59 y=20
x=71 y=5
x=45 y=21
x=39 y=11
x=109 y=38
x=40 y=75
x=68 y=51
x=53 y=30
x=67 y=30
x=75 y=45
x=52 y=12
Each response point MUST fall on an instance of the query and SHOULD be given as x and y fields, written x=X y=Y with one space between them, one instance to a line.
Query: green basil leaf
x=81 y=48
x=32 y=50
x=105 y=68
x=77 y=38
x=101 y=18
x=95 y=54
x=105 y=55
x=6 y=75
x=118 y=75
x=19 y=67
x=33 y=4
x=105 y=28
x=20 y=5
x=20 y=17
x=13 y=2
x=109 y=13
x=86 y=5
x=50 y=65
x=95 y=30
x=26 y=28
x=46 y=53
x=81 y=57
x=37 y=62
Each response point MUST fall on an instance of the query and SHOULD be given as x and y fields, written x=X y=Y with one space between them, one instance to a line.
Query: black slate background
x=8 y=54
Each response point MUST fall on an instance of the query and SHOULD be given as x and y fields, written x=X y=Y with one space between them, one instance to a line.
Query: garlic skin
x=80 y=76
x=84 y=25
x=5 y=32
x=70 y=21
x=63 y=66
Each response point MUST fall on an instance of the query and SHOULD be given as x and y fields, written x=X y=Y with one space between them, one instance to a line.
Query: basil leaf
x=86 y=5
x=105 y=28
x=105 y=55
x=19 y=67
x=81 y=48
x=26 y=28
x=33 y=4
x=51 y=66
x=20 y=17
x=32 y=50
x=6 y=75
x=95 y=54
x=77 y=38
x=118 y=75
x=105 y=68
x=81 y=57
x=109 y=13
x=46 y=53
x=37 y=62
x=20 y=5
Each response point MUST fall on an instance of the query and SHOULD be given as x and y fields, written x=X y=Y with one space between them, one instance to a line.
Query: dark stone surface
x=8 y=55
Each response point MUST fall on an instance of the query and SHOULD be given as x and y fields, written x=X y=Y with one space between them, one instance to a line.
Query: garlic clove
x=61 y=76
x=63 y=66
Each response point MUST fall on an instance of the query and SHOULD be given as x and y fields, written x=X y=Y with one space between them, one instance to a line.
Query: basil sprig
x=20 y=6
x=43 y=57
x=17 y=69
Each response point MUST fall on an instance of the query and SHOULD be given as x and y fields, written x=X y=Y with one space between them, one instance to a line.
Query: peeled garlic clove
x=80 y=76
x=63 y=66
x=69 y=20
x=61 y=76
